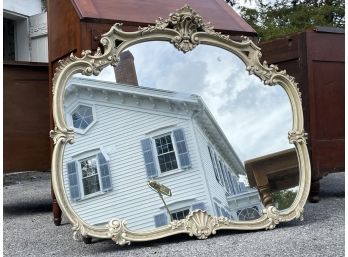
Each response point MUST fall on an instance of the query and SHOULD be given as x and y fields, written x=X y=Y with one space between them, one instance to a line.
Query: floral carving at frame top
x=186 y=22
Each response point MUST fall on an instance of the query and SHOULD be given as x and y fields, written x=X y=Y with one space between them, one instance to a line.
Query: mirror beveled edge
x=185 y=29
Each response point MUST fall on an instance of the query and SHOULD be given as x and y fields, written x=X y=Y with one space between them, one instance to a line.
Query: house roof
x=201 y=112
x=140 y=12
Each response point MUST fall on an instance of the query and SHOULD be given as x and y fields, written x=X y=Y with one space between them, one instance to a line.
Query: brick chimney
x=125 y=70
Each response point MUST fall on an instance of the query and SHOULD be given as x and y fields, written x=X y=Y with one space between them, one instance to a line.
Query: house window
x=166 y=154
x=90 y=176
x=82 y=117
x=248 y=213
x=223 y=173
x=214 y=165
x=178 y=215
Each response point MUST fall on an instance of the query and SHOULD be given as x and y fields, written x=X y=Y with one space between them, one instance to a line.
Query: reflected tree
x=284 y=198
x=273 y=19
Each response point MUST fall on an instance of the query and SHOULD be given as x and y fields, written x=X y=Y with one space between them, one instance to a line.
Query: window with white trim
x=223 y=173
x=82 y=117
x=250 y=213
x=181 y=214
x=165 y=152
x=88 y=176
x=180 y=211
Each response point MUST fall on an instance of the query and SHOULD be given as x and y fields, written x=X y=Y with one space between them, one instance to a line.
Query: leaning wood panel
x=26 y=116
x=63 y=29
x=224 y=18
x=320 y=74
x=281 y=50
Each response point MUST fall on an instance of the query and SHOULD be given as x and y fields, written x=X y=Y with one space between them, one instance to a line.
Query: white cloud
x=107 y=74
x=255 y=118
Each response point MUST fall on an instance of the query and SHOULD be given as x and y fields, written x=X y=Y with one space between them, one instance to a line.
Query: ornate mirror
x=175 y=129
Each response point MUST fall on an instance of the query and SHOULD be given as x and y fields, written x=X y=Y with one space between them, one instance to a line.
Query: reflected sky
x=255 y=118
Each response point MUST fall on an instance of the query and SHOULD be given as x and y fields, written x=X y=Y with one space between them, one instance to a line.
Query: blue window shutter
x=184 y=157
x=231 y=181
x=228 y=180
x=73 y=178
x=105 y=175
x=242 y=187
x=214 y=164
x=161 y=220
x=151 y=170
x=198 y=206
x=227 y=183
x=219 y=170
x=235 y=183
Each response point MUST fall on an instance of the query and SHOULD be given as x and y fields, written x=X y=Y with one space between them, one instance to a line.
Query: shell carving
x=201 y=224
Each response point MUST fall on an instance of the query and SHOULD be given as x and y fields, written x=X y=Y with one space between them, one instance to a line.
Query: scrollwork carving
x=297 y=136
x=299 y=213
x=78 y=231
x=273 y=217
x=66 y=136
x=117 y=228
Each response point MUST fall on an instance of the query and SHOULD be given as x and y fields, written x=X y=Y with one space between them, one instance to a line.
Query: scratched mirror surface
x=164 y=133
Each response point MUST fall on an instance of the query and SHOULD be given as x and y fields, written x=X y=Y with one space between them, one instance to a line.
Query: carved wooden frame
x=185 y=29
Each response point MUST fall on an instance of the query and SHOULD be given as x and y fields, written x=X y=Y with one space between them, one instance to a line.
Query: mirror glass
x=164 y=133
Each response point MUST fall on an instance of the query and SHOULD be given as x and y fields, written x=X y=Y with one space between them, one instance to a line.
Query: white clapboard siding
x=217 y=191
x=119 y=131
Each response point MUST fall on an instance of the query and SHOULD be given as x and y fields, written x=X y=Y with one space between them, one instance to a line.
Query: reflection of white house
x=127 y=135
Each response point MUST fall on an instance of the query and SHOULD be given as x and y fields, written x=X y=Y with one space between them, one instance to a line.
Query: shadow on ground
x=24 y=208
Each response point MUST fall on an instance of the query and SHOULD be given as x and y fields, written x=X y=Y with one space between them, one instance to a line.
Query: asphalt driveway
x=28 y=229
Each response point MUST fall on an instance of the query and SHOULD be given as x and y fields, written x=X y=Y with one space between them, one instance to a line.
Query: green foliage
x=284 y=198
x=281 y=18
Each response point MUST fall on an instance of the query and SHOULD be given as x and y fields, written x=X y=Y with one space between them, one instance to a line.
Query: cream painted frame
x=185 y=29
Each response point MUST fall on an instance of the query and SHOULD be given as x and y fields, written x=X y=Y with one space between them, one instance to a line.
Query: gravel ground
x=29 y=230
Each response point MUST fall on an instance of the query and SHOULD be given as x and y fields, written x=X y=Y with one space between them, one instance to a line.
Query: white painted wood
x=22 y=40
x=216 y=190
x=121 y=129
x=24 y=7
x=122 y=121
x=31 y=41
x=39 y=38
x=39 y=49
